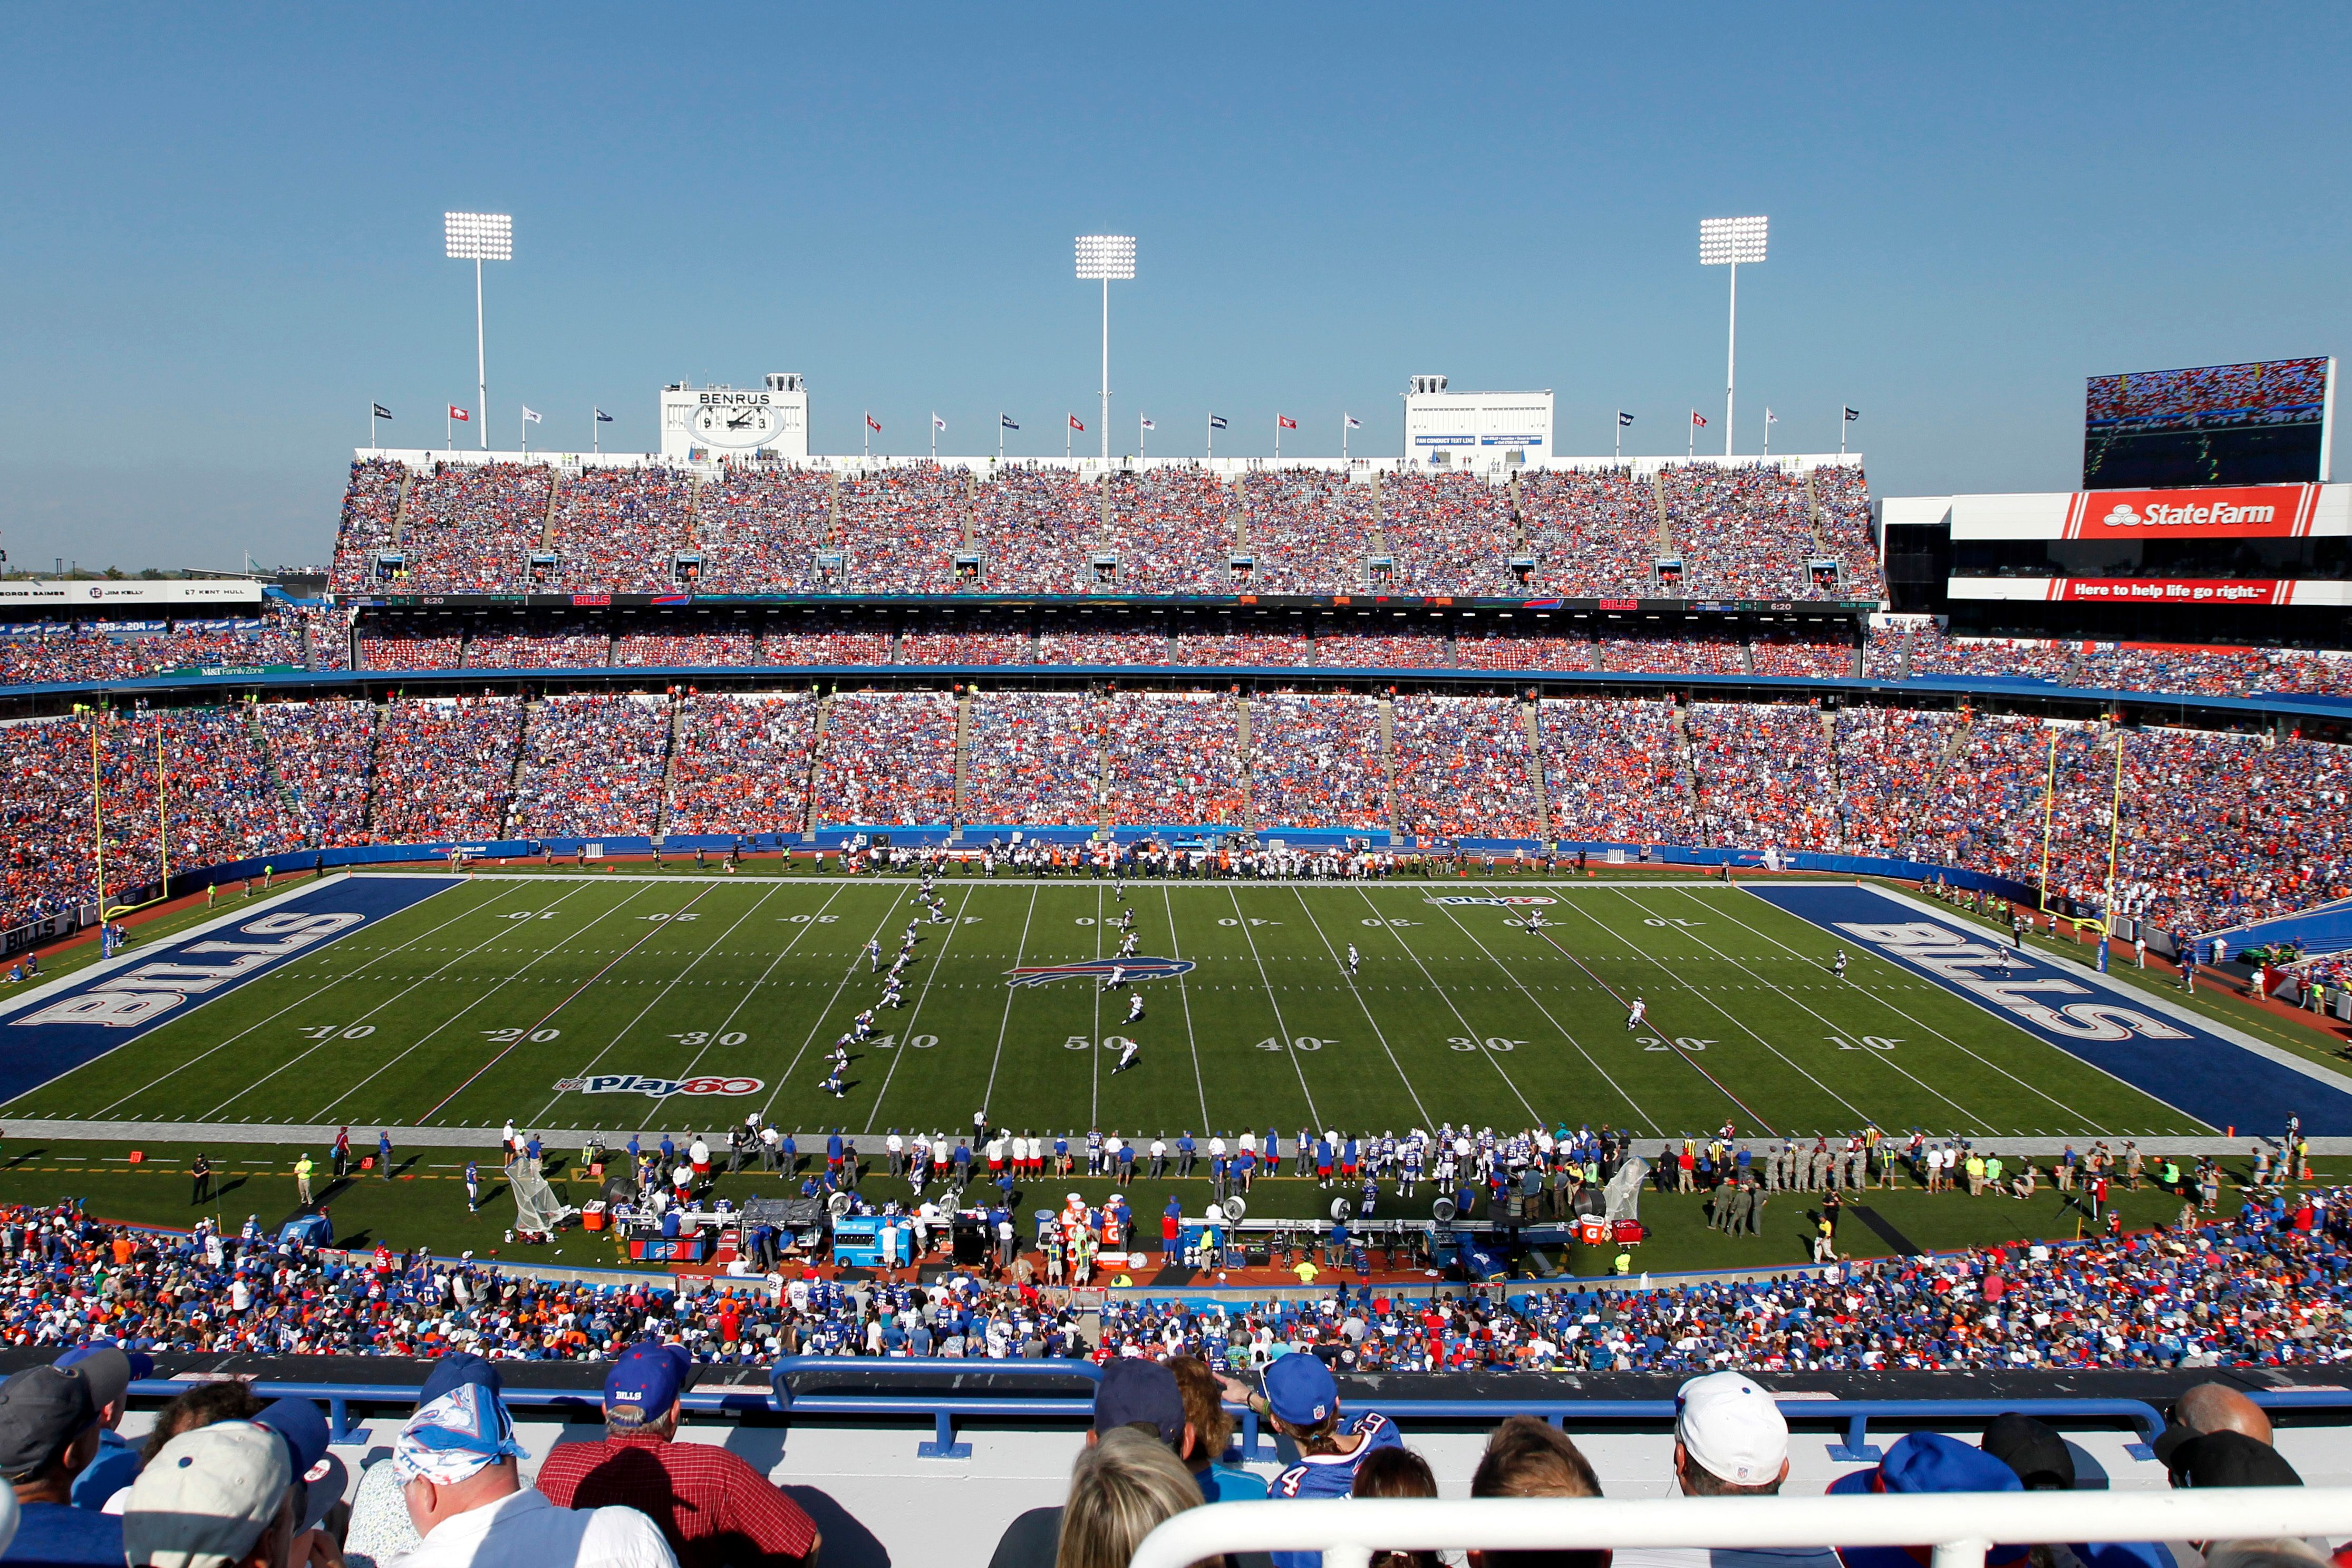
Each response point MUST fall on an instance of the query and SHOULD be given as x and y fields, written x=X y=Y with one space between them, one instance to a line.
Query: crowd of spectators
x=1921 y=649
x=1765 y=775
x=591 y=765
x=402 y=651
x=967 y=645
x=887 y=759
x=664 y=650
x=1592 y=533
x=1890 y=764
x=1033 y=758
x=759 y=529
x=1743 y=533
x=1841 y=499
x=443 y=768
x=1315 y=761
x=1448 y=534
x=1615 y=772
x=558 y=647
x=1247 y=649
x=836 y=644
x=1461 y=768
x=472 y=528
x=901 y=528
x=1705 y=653
x=1175 y=760
x=1032 y=527
x=39 y=652
x=618 y=530
x=1493 y=650
x=1309 y=530
x=2209 y=672
x=1092 y=642
x=1813 y=658
x=371 y=509
x=1382 y=651
x=1171 y=529
x=743 y=763
x=323 y=753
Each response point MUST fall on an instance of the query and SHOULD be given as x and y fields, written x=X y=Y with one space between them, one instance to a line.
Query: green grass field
x=471 y=1007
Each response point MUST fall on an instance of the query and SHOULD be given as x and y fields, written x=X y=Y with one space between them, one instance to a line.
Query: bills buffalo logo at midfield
x=1100 y=968
x=655 y=1088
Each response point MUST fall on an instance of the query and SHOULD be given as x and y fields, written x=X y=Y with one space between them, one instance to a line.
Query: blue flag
x=602 y=418
x=1216 y=421
x=1006 y=420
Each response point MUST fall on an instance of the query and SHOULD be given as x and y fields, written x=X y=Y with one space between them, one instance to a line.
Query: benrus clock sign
x=736 y=419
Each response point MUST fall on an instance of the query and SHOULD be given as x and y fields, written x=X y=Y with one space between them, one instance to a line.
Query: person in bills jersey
x=1638 y=1014
x=1303 y=1400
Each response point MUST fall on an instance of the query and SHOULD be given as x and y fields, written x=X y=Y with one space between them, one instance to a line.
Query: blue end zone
x=56 y=1029
x=2197 y=1072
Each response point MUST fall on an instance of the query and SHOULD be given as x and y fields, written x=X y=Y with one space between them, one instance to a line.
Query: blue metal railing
x=945 y=1408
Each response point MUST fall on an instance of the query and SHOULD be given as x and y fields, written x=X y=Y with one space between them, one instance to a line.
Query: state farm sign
x=2245 y=512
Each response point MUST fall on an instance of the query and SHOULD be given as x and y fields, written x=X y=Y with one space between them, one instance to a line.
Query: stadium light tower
x=1106 y=257
x=478 y=237
x=1727 y=242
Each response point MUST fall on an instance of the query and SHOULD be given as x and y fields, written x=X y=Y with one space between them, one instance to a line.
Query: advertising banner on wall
x=2243 y=511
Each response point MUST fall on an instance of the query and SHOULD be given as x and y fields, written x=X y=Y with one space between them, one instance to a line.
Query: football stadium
x=1459 y=999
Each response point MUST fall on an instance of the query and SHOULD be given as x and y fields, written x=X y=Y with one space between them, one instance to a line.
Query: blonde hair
x=1123 y=1485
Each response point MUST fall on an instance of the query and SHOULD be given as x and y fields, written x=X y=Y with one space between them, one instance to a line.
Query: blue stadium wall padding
x=2316 y=931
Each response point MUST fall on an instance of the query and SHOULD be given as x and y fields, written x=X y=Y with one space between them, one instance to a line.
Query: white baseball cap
x=1731 y=1428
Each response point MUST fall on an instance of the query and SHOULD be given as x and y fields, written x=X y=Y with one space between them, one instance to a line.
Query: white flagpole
x=1277 y=438
x=525 y=423
x=1344 y=417
x=1213 y=437
x=595 y=436
x=371 y=425
x=1066 y=427
x=1000 y=438
x=1690 y=438
x=1620 y=423
x=866 y=418
x=1139 y=437
x=935 y=440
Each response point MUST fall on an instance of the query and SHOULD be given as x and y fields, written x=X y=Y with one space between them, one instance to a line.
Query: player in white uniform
x=1115 y=978
x=1134 y=1007
x=1127 y=1052
x=1353 y=959
x=1638 y=1014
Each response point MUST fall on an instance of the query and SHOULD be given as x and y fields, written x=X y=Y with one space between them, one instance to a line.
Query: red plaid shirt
x=713 y=1507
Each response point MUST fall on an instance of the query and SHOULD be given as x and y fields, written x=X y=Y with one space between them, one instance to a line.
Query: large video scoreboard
x=2262 y=423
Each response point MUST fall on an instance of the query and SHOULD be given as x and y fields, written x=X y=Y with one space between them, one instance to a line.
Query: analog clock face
x=752 y=425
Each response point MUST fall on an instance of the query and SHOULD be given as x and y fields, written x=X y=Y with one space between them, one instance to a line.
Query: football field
x=675 y=1001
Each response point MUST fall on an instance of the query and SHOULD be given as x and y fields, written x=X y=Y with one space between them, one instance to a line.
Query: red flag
x=1287 y=422
x=1074 y=423
x=457 y=412
x=872 y=424
x=1698 y=419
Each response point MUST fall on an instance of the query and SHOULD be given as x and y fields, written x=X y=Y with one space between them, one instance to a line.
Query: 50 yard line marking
x=1267 y=981
x=659 y=997
x=471 y=909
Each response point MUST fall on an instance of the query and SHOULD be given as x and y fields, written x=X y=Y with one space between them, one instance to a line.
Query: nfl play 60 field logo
x=655 y=1088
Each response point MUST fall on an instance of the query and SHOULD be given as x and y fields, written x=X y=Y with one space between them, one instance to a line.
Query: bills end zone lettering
x=70 y=1022
x=2202 y=1074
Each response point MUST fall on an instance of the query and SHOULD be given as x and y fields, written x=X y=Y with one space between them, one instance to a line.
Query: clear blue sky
x=221 y=231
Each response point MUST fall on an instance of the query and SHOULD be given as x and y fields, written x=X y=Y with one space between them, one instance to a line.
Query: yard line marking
x=363 y=1018
x=743 y=1001
x=1338 y=964
x=544 y=952
x=321 y=991
x=559 y=1007
x=1009 y=992
x=1287 y=1049
x=818 y=1023
x=1882 y=1056
x=1512 y=977
x=1094 y=1053
x=1923 y=1024
x=1736 y=1023
x=906 y=1031
x=675 y=982
x=1176 y=950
